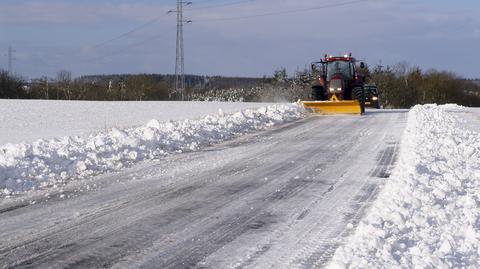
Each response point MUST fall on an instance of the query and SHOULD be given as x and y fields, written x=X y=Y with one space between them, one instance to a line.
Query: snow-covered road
x=280 y=198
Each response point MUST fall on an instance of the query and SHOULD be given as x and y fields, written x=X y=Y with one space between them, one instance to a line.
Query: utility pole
x=46 y=87
x=180 y=54
x=10 y=60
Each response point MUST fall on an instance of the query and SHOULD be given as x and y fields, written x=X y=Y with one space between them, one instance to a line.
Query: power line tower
x=180 y=54
x=10 y=60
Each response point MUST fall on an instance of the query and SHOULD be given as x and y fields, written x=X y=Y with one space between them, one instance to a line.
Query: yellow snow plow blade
x=334 y=107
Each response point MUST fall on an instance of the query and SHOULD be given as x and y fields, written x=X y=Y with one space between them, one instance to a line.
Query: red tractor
x=338 y=87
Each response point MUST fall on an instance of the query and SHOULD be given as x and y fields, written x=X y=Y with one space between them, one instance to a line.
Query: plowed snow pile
x=44 y=163
x=25 y=121
x=428 y=213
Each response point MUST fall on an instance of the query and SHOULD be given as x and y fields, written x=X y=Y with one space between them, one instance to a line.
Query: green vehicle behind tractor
x=372 y=98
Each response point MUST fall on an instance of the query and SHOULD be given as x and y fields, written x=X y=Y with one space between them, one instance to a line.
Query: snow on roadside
x=50 y=162
x=25 y=121
x=427 y=215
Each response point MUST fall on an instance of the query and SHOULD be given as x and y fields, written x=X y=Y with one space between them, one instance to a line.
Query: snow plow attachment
x=334 y=106
x=338 y=107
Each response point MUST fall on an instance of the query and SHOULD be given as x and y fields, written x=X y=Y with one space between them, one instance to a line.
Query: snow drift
x=427 y=215
x=25 y=121
x=44 y=163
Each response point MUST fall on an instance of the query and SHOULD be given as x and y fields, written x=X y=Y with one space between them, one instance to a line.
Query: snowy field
x=53 y=162
x=427 y=215
x=29 y=120
x=472 y=118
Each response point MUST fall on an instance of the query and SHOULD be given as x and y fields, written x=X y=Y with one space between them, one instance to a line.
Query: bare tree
x=64 y=80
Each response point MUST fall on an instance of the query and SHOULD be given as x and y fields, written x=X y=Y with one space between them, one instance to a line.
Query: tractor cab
x=339 y=67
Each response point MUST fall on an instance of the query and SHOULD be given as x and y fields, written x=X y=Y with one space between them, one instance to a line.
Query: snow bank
x=25 y=121
x=50 y=162
x=427 y=215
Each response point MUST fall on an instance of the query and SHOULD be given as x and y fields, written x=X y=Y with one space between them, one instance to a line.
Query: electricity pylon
x=180 y=53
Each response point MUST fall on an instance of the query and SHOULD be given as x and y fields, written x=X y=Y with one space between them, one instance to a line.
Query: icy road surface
x=281 y=198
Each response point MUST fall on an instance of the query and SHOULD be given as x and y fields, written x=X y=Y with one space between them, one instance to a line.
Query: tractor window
x=339 y=67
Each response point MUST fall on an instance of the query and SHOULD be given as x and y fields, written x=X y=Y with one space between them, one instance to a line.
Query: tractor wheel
x=358 y=93
x=318 y=93
x=355 y=94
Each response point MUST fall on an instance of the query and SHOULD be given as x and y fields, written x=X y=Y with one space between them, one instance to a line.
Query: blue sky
x=51 y=35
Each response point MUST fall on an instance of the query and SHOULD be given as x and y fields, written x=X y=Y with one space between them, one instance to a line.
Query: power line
x=221 y=5
x=152 y=21
x=120 y=51
x=126 y=33
x=101 y=57
x=281 y=12
x=181 y=7
x=127 y=48
x=203 y=1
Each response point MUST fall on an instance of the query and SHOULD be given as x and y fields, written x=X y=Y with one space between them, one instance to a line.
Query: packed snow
x=53 y=162
x=427 y=215
x=30 y=120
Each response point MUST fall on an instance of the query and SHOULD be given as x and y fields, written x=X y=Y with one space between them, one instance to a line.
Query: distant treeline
x=400 y=86
x=141 y=87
